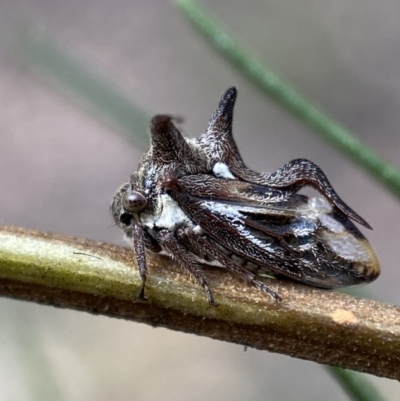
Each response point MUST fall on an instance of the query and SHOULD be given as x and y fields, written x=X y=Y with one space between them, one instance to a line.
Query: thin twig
x=322 y=326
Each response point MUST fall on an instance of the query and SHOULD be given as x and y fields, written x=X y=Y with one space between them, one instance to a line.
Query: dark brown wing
x=279 y=231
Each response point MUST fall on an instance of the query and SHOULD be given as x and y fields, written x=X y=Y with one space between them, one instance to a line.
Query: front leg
x=295 y=175
x=138 y=237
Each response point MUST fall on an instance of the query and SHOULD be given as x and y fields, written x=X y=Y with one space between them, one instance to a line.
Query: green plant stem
x=99 y=278
x=290 y=99
x=355 y=385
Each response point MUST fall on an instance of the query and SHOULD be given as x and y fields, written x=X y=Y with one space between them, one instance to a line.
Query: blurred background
x=61 y=162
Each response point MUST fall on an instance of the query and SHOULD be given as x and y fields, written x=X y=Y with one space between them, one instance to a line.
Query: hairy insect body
x=168 y=216
x=196 y=200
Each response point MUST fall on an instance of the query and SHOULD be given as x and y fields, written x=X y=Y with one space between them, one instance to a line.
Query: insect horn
x=221 y=121
x=218 y=140
x=167 y=142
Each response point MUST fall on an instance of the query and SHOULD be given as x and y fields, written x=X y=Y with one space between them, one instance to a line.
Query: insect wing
x=295 y=236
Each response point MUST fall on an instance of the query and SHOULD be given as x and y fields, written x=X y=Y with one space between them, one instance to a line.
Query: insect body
x=197 y=200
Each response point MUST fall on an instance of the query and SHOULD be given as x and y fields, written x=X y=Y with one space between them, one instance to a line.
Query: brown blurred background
x=60 y=165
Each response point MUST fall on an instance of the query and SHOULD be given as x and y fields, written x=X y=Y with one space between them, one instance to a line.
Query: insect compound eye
x=134 y=201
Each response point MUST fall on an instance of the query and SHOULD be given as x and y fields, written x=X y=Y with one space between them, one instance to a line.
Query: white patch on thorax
x=169 y=215
x=221 y=170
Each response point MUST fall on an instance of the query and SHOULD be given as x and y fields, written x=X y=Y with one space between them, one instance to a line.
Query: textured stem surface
x=322 y=326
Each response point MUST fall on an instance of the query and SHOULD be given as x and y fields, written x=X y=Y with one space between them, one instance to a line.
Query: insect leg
x=139 y=248
x=195 y=241
x=179 y=252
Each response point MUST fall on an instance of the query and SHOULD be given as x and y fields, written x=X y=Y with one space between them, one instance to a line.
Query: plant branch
x=322 y=326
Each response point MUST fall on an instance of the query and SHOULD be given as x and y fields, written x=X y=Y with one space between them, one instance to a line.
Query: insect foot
x=197 y=200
